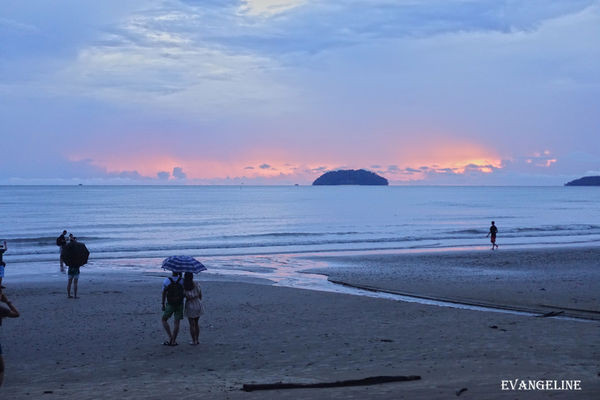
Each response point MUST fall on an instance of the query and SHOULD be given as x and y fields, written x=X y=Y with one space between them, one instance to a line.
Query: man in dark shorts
x=10 y=312
x=174 y=295
x=61 y=242
x=492 y=233
x=73 y=275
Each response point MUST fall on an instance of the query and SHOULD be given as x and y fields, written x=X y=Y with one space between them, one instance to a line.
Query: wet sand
x=107 y=344
x=538 y=279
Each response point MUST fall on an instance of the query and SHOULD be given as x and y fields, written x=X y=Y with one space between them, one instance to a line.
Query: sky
x=433 y=92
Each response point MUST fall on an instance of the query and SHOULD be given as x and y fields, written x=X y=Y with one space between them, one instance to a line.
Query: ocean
x=147 y=222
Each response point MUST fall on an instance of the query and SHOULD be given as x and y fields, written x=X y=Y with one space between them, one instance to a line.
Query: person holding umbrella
x=174 y=294
x=75 y=255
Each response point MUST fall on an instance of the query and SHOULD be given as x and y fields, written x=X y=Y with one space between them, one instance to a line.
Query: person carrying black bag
x=173 y=294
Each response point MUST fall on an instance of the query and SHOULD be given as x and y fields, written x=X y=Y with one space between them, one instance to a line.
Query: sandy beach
x=107 y=344
x=536 y=279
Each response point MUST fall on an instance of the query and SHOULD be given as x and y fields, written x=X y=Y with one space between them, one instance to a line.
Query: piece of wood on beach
x=373 y=380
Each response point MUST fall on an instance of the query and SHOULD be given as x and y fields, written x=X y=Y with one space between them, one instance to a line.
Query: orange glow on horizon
x=277 y=164
x=451 y=157
x=205 y=169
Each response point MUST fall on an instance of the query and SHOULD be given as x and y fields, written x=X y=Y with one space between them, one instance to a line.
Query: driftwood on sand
x=373 y=380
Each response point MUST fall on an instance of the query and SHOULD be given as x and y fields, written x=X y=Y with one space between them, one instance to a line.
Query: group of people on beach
x=181 y=295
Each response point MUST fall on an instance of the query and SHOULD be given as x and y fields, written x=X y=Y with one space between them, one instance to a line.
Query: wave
x=545 y=228
x=469 y=231
x=46 y=239
x=45 y=245
x=248 y=252
x=186 y=224
x=574 y=229
x=556 y=228
x=285 y=234
x=41 y=239
x=222 y=245
x=404 y=241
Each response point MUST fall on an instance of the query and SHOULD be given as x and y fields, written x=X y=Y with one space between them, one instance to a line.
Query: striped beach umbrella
x=183 y=264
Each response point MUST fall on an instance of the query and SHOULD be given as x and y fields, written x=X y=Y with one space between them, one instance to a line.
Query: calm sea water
x=129 y=222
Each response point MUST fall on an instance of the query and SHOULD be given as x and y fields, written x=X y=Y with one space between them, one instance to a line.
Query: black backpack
x=175 y=292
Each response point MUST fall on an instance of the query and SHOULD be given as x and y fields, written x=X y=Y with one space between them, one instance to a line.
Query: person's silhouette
x=493 y=231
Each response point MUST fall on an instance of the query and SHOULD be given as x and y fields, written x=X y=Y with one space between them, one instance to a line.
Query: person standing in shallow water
x=492 y=234
x=193 y=305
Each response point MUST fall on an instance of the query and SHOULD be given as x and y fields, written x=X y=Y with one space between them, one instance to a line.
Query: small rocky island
x=585 y=181
x=351 y=177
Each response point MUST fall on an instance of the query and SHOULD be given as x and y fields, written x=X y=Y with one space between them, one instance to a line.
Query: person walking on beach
x=10 y=312
x=492 y=233
x=193 y=305
x=61 y=242
x=173 y=293
x=2 y=263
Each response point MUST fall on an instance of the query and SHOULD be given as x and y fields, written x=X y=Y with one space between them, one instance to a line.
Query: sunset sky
x=483 y=92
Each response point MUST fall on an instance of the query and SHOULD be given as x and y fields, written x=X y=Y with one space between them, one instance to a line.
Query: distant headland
x=351 y=177
x=585 y=181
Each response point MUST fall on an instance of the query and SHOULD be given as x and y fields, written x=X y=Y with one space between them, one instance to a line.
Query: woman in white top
x=193 y=305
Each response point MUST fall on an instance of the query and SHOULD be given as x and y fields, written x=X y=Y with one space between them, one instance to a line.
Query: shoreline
x=329 y=254
x=568 y=280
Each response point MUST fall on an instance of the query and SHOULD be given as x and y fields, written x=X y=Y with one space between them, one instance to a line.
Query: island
x=351 y=177
x=585 y=181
